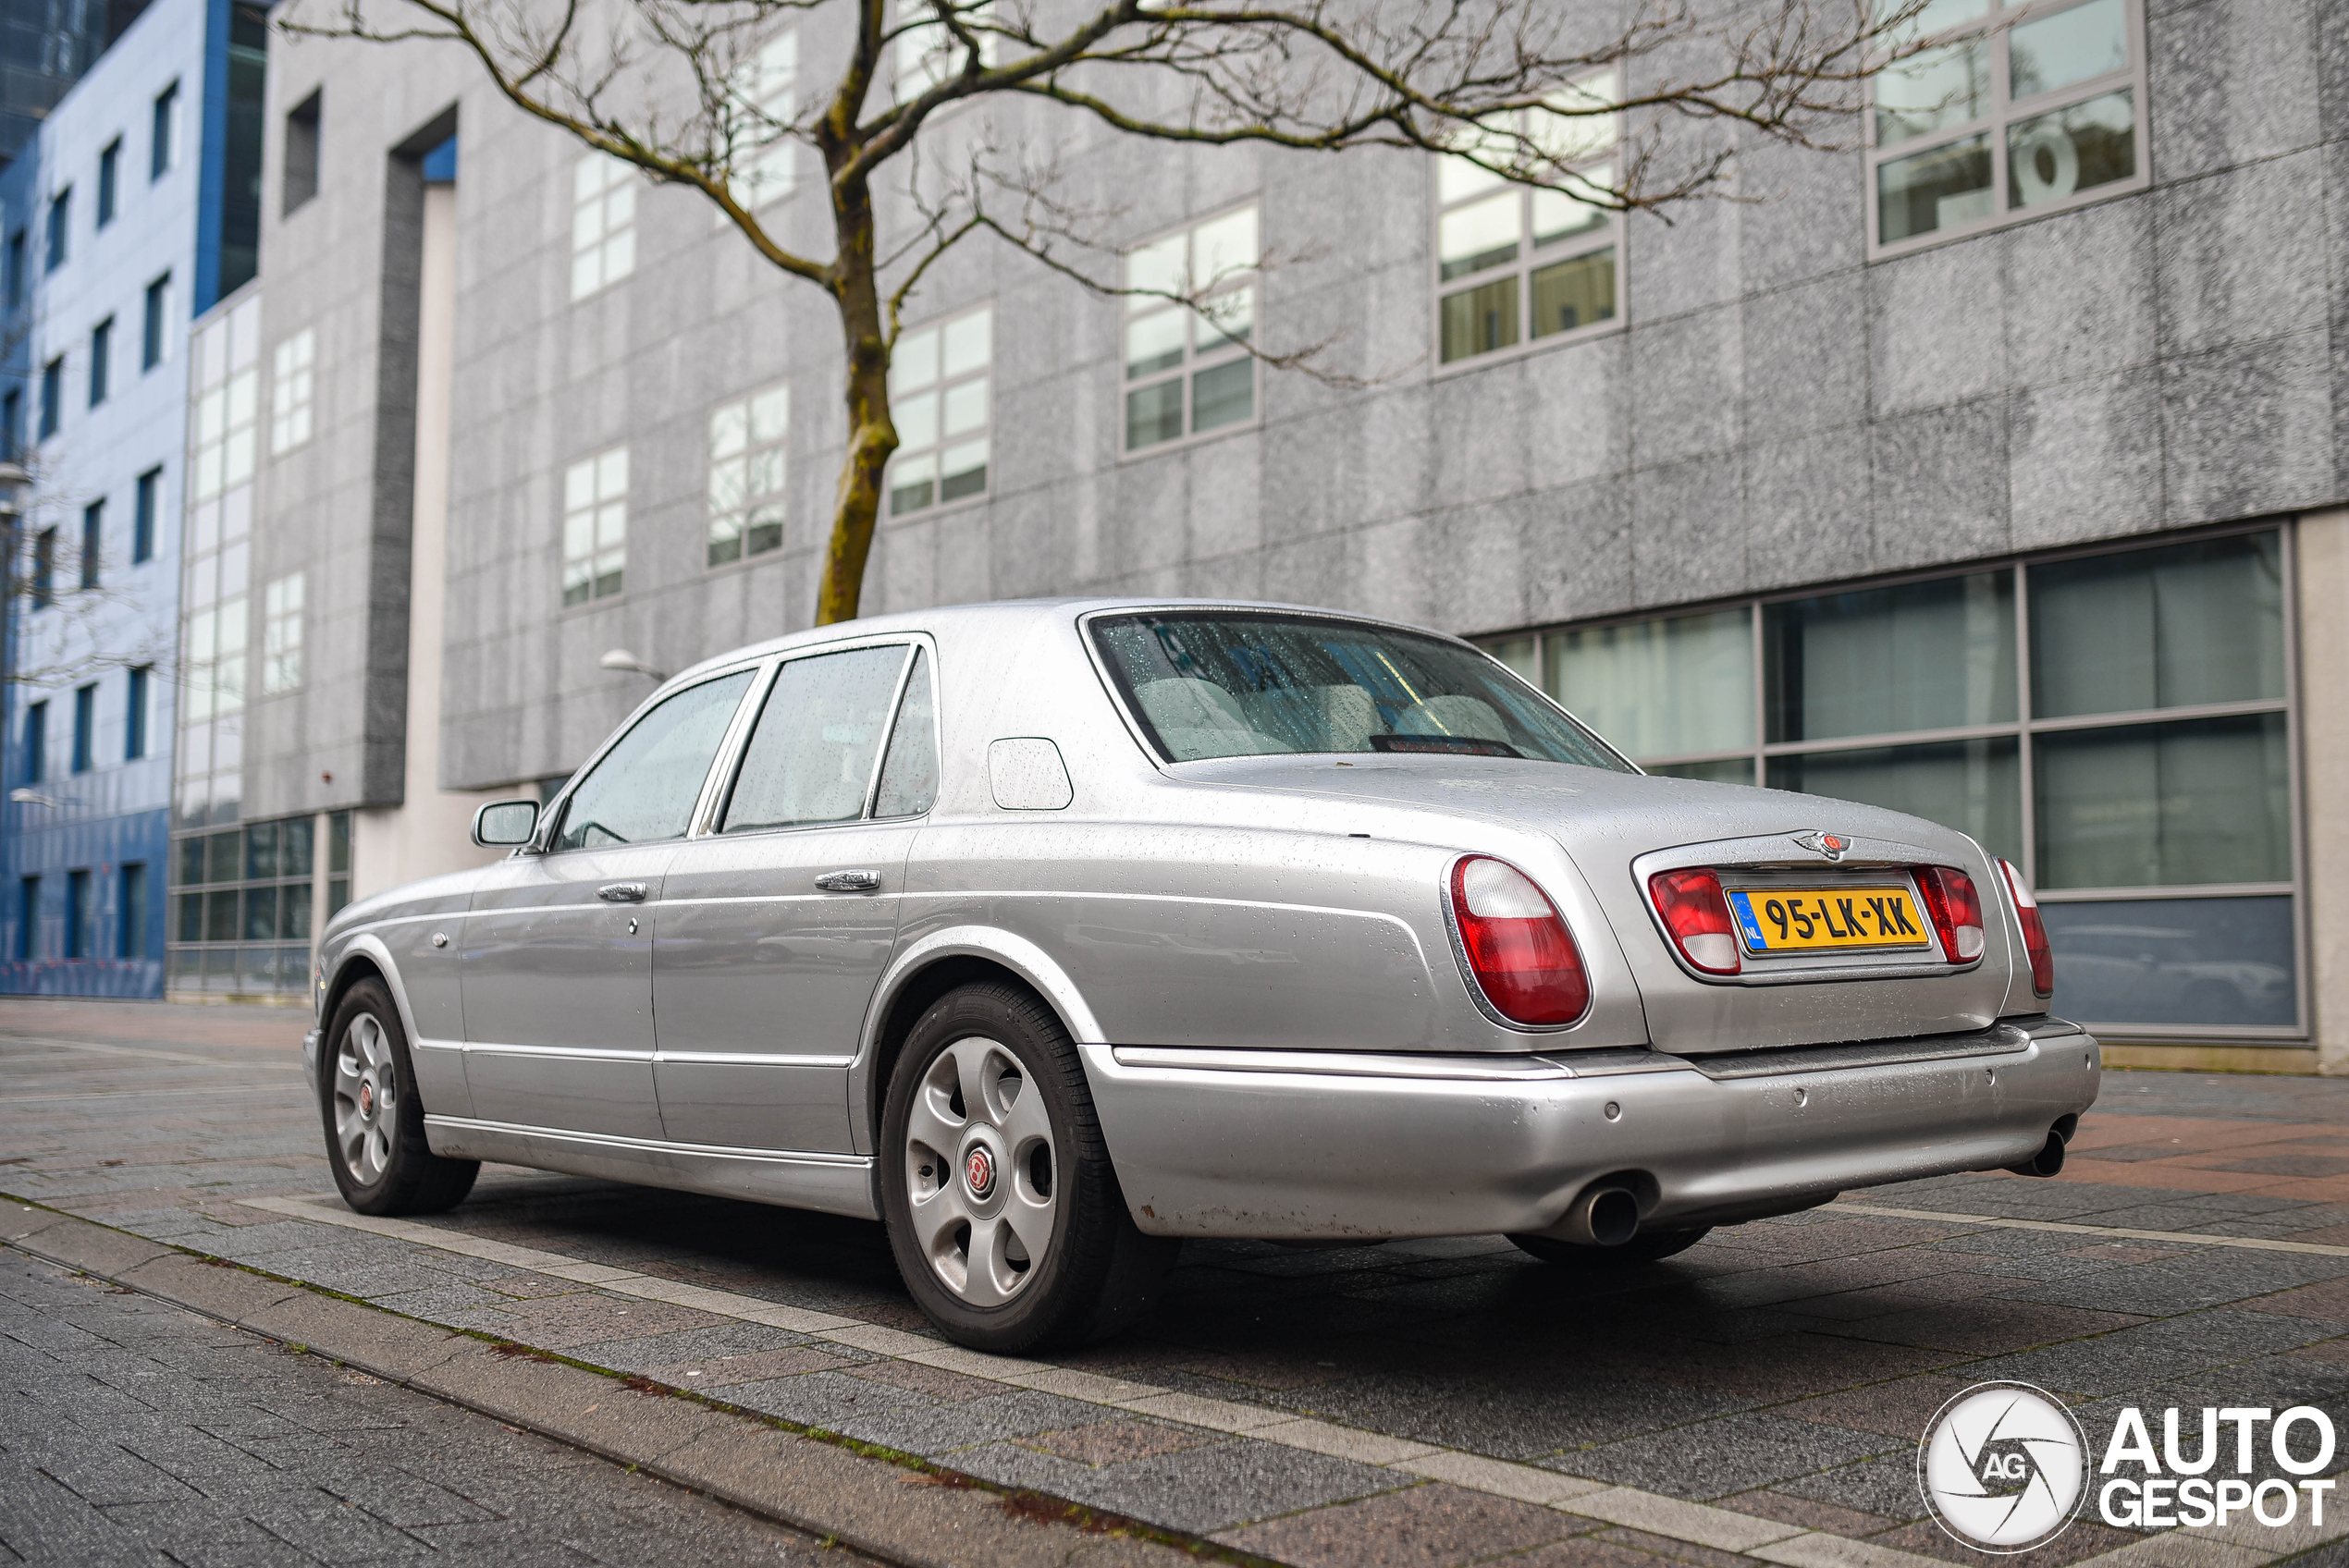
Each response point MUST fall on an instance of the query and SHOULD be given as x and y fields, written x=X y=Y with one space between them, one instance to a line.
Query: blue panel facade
x=84 y=826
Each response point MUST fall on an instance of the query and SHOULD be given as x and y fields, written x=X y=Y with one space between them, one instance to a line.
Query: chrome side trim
x=745 y=1058
x=571 y=1053
x=1374 y=1064
x=830 y=1184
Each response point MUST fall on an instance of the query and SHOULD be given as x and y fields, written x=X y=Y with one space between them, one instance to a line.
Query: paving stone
x=1116 y=1442
x=1203 y=1491
x=1733 y=1453
x=1433 y=1525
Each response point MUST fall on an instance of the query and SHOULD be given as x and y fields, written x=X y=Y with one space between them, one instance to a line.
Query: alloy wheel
x=366 y=1099
x=982 y=1171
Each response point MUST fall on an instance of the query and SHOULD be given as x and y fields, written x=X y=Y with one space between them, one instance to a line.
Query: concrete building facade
x=116 y=220
x=1995 y=469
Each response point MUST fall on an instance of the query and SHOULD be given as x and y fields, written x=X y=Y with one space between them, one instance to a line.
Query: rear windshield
x=1235 y=684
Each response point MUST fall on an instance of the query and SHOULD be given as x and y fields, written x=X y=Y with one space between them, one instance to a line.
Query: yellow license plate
x=1780 y=920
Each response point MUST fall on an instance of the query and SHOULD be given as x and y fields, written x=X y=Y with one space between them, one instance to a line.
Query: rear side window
x=819 y=734
x=1235 y=684
x=645 y=787
x=909 y=779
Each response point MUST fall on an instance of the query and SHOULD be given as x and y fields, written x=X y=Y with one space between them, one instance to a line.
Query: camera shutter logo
x=2003 y=1467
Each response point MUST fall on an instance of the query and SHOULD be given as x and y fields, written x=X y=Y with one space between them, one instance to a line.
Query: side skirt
x=830 y=1184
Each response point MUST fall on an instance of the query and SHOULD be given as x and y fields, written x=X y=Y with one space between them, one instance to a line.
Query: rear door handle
x=849 y=881
x=622 y=892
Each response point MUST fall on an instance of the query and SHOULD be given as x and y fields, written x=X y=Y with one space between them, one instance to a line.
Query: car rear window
x=1236 y=683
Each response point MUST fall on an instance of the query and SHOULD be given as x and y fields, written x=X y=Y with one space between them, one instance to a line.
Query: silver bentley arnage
x=1049 y=933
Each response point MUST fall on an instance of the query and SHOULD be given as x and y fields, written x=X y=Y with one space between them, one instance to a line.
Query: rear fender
x=1022 y=957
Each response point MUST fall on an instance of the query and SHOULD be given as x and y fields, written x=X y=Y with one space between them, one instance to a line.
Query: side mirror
x=503 y=824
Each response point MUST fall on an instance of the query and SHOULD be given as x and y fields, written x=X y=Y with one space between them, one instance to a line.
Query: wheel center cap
x=366 y=1099
x=978 y=1170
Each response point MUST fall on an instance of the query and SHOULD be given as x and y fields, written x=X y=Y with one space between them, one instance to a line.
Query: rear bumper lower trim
x=1295 y=1154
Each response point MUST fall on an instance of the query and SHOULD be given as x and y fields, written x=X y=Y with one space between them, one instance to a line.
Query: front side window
x=643 y=789
x=603 y=223
x=1188 y=371
x=746 y=469
x=1517 y=263
x=595 y=527
x=291 y=385
x=2010 y=113
x=939 y=394
x=819 y=732
x=1210 y=684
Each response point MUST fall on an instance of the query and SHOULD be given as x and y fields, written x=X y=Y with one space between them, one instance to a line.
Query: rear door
x=776 y=926
x=557 y=969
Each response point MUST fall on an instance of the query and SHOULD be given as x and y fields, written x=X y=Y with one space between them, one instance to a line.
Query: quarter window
x=819 y=733
x=290 y=386
x=939 y=389
x=1515 y=263
x=909 y=777
x=1189 y=372
x=643 y=789
x=2009 y=114
x=746 y=470
x=595 y=527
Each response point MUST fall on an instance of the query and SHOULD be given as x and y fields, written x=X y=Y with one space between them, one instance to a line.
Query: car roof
x=1008 y=615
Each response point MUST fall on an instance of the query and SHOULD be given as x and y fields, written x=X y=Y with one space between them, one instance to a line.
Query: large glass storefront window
x=2116 y=723
x=245 y=901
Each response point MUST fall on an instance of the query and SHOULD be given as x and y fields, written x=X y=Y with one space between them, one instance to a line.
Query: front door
x=556 y=968
x=775 y=929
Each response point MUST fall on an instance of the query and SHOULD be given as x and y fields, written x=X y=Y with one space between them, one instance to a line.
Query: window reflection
x=1925 y=656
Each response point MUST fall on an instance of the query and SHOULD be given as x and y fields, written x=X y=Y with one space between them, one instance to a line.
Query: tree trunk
x=872 y=435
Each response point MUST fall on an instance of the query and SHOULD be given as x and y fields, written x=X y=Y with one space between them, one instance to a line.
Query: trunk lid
x=1618 y=829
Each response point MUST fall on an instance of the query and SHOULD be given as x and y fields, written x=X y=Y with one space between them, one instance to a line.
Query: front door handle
x=622 y=892
x=849 y=881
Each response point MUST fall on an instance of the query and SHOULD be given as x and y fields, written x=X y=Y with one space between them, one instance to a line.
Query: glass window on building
x=2116 y=723
x=603 y=223
x=1518 y=263
x=224 y=361
x=940 y=396
x=2011 y=112
x=765 y=167
x=1189 y=372
x=595 y=527
x=243 y=901
x=746 y=471
x=292 y=380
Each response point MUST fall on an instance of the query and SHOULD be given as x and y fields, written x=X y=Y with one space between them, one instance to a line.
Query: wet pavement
x=1427 y=1403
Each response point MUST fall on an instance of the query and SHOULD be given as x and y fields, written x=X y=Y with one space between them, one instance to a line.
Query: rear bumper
x=1303 y=1145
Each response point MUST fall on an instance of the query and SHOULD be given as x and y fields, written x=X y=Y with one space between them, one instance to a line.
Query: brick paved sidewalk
x=138 y=1434
x=1778 y=1373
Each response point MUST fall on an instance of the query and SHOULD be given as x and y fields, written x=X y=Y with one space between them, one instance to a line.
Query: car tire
x=1648 y=1246
x=1002 y=1208
x=374 y=1117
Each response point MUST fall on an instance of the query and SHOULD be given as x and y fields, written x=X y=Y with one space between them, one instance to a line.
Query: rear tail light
x=1955 y=909
x=1698 y=916
x=1523 y=957
x=2034 y=931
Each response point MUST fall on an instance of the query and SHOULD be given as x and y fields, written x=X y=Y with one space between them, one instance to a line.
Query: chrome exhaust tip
x=1602 y=1217
x=2048 y=1161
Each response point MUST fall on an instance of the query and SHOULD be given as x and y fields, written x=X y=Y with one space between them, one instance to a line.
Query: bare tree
x=1517 y=86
